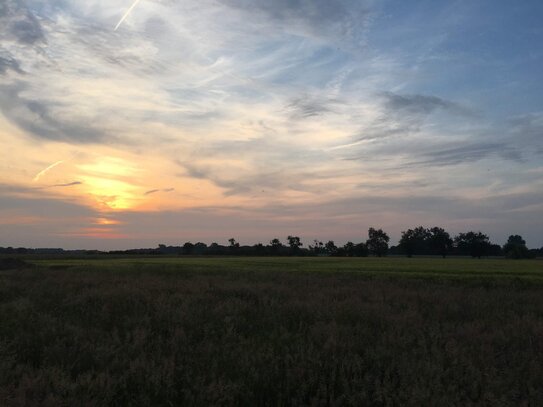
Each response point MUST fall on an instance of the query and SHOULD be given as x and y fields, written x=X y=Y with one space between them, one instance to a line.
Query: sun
x=112 y=183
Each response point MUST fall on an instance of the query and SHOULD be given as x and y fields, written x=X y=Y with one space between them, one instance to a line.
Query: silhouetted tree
x=275 y=246
x=361 y=250
x=349 y=249
x=187 y=248
x=515 y=248
x=377 y=242
x=234 y=246
x=415 y=241
x=317 y=248
x=440 y=241
x=199 y=248
x=294 y=243
x=331 y=248
x=476 y=244
x=259 y=249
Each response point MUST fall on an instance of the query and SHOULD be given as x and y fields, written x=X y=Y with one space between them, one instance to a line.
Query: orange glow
x=106 y=222
x=99 y=233
x=110 y=183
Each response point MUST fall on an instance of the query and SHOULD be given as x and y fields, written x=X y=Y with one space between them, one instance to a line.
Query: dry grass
x=153 y=336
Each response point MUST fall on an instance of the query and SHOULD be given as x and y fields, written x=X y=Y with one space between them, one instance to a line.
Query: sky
x=255 y=119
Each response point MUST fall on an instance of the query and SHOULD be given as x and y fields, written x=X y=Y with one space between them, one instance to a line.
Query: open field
x=272 y=331
x=450 y=268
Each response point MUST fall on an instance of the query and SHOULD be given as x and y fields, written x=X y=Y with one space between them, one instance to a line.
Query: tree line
x=419 y=241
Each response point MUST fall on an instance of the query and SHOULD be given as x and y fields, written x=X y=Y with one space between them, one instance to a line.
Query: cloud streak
x=124 y=17
x=154 y=191
x=46 y=170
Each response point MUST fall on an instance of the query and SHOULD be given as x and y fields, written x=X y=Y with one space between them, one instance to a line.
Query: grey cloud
x=422 y=105
x=466 y=153
x=258 y=182
x=405 y=114
x=528 y=129
x=154 y=191
x=25 y=199
x=70 y=184
x=323 y=19
x=37 y=118
x=9 y=63
x=21 y=24
x=305 y=107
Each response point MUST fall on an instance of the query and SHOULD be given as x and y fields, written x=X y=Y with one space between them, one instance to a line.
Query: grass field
x=272 y=331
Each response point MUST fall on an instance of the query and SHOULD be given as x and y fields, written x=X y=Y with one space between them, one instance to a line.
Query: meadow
x=271 y=332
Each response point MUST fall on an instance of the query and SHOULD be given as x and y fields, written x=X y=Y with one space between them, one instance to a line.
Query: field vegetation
x=271 y=331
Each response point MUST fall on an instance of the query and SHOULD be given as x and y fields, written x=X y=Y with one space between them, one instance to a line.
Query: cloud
x=240 y=182
x=20 y=23
x=9 y=63
x=404 y=115
x=421 y=105
x=46 y=170
x=325 y=20
x=39 y=118
x=154 y=191
x=70 y=184
x=305 y=107
x=465 y=154
x=527 y=130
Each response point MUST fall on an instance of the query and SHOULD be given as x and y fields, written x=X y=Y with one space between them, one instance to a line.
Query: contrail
x=42 y=173
x=126 y=14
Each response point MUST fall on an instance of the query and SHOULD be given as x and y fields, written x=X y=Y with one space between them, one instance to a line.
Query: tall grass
x=151 y=335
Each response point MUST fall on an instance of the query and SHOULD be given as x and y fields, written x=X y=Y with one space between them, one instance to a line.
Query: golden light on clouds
x=106 y=222
x=111 y=183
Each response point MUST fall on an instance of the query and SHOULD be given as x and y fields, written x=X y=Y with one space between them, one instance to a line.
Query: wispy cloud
x=69 y=184
x=46 y=170
x=20 y=23
x=126 y=14
x=154 y=191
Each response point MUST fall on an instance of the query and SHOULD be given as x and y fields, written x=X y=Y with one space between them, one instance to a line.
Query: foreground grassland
x=272 y=331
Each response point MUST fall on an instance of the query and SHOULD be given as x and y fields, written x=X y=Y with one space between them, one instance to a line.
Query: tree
x=317 y=248
x=330 y=248
x=349 y=249
x=276 y=246
x=515 y=248
x=188 y=248
x=361 y=250
x=415 y=241
x=294 y=243
x=377 y=242
x=440 y=241
x=476 y=244
x=234 y=246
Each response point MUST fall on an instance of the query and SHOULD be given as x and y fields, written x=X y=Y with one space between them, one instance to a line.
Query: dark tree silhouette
x=377 y=242
x=440 y=241
x=415 y=241
x=188 y=248
x=515 y=248
x=275 y=246
x=361 y=250
x=294 y=243
x=234 y=246
x=349 y=249
x=331 y=248
x=476 y=244
x=317 y=248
